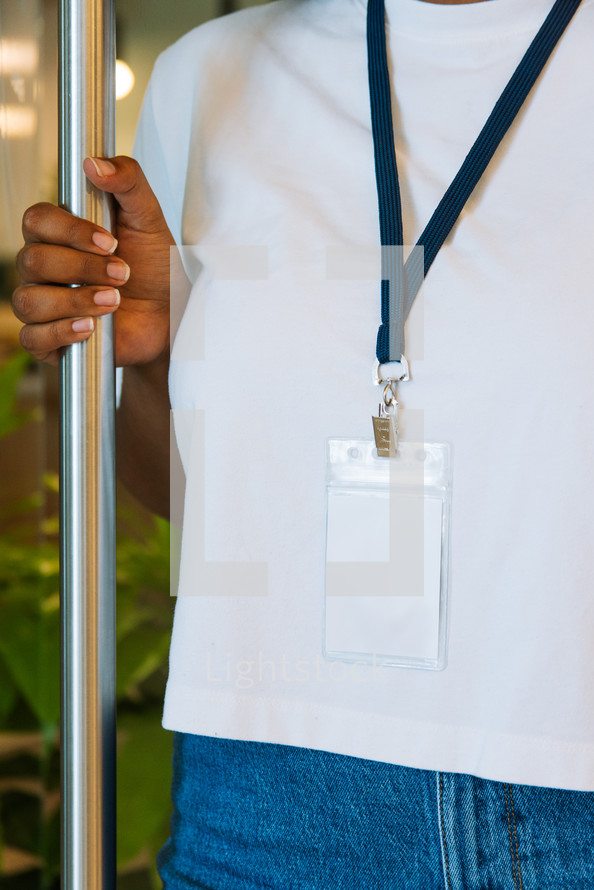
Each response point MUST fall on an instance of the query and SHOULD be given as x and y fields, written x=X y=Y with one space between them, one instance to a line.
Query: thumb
x=123 y=178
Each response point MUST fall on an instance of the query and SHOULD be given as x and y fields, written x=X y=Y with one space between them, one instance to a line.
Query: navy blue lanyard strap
x=401 y=282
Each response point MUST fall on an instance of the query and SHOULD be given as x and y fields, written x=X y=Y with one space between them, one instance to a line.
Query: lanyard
x=401 y=281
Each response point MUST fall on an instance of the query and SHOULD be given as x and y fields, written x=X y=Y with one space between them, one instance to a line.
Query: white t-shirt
x=256 y=138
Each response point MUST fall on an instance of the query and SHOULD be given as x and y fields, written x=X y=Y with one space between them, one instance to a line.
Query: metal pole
x=87 y=467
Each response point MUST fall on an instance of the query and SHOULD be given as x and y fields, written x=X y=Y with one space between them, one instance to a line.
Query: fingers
x=59 y=316
x=62 y=249
x=38 y=303
x=123 y=178
x=120 y=176
x=65 y=249
x=44 y=341
x=46 y=223
x=42 y=263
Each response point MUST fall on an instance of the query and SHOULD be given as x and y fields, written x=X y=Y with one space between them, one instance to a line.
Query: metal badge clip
x=385 y=425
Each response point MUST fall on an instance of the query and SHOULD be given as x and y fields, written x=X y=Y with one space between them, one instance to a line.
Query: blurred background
x=29 y=591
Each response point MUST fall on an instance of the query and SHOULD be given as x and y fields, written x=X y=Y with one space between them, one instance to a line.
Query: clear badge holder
x=387 y=553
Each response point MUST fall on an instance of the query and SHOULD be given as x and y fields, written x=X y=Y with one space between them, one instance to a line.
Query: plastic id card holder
x=387 y=553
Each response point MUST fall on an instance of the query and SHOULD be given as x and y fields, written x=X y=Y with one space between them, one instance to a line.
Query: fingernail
x=107 y=297
x=103 y=168
x=83 y=325
x=104 y=241
x=119 y=271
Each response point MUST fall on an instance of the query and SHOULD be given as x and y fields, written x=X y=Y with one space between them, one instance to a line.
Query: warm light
x=17 y=121
x=124 y=79
x=18 y=56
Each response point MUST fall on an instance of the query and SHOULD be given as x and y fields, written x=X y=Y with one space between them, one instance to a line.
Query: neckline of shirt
x=431 y=22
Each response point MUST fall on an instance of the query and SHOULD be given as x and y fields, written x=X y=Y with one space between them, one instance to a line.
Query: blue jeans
x=249 y=816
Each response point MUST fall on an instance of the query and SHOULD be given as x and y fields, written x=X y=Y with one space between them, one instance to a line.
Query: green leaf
x=139 y=654
x=144 y=779
x=30 y=648
x=10 y=374
x=8 y=693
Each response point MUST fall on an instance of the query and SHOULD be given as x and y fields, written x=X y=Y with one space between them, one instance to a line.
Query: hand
x=129 y=277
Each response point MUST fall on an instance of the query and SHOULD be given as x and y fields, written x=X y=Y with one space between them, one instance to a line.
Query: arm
x=142 y=434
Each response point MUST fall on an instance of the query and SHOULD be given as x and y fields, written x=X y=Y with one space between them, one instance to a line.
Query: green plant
x=11 y=418
x=29 y=679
